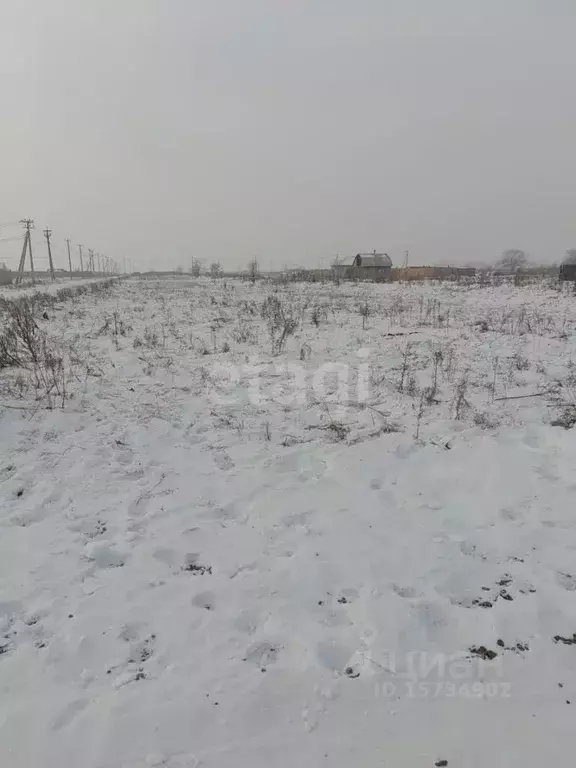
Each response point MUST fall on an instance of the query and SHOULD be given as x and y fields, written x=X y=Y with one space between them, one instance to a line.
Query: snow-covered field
x=309 y=525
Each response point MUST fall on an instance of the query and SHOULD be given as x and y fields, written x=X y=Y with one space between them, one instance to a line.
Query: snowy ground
x=219 y=553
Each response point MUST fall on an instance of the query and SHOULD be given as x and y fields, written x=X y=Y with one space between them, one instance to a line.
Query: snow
x=203 y=565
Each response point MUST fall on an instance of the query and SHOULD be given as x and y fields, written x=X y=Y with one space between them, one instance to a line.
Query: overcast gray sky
x=290 y=130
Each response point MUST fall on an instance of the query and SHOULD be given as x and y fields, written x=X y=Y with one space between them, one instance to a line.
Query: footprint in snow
x=348 y=596
x=166 y=555
x=69 y=713
x=471 y=550
x=102 y=555
x=262 y=654
x=223 y=460
x=205 y=600
x=510 y=515
x=333 y=655
x=407 y=592
x=124 y=456
x=567 y=581
x=248 y=622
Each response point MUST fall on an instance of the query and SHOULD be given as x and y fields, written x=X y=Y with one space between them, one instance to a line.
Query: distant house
x=568 y=268
x=368 y=266
x=372 y=260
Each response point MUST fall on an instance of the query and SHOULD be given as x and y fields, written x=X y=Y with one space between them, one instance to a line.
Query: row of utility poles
x=96 y=262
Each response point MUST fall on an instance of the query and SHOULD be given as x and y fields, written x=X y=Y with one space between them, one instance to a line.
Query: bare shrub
x=460 y=403
x=448 y=355
x=405 y=366
x=338 y=430
x=364 y=312
x=411 y=388
x=22 y=332
x=64 y=294
x=424 y=399
x=23 y=345
x=253 y=271
x=566 y=417
x=432 y=391
x=248 y=307
x=521 y=363
x=317 y=315
x=280 y=320
x=484 y=420
x=49 y=377
x=9 y=353
x=150 y=336
x=244 y=332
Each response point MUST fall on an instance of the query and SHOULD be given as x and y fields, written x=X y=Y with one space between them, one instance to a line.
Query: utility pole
x=81 y=262
x=22 y=259
x=47 y=233
x=91 y=261
x=28 y=225
x=69 y=257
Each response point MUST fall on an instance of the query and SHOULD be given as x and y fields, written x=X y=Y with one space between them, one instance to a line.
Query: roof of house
x=570 y=260
x=375 y=259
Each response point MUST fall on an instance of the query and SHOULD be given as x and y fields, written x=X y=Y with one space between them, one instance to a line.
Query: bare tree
x=512 y=260
x=335 y=269
x=571 y=254
x=253 y=270
x=195 y=268
x=215 y=270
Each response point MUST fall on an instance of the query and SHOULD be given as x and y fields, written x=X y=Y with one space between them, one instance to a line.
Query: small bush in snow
x=280 y=320
x=566 y=417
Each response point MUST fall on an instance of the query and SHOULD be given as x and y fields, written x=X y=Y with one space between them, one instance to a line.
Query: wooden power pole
x=28 y=225
x=47 y=233
x=81 y=262
x=69 y=257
